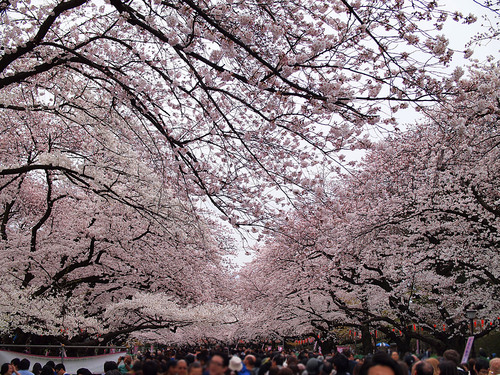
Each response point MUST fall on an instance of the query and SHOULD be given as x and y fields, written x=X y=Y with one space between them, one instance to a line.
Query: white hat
x=235 y=363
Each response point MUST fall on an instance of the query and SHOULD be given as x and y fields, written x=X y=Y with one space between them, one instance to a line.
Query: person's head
x=395 y=355
x=348 y=354
x=190 y=358
x=60 y=369
x=137 y=367
x=235 y=363
x=313 y=366
x=422 y=368
x=341 y=363
x=110 y=365
x=15 y=362
x=195 y=368
x=452 y=355
x=172 y=366
x=409 y=360
x=285 y=371
x=24 y=364
x=182 y=367
x=434 y=363
x=278 y=360
x=218 y=364
x=83 y=371
x=404 y=367
x=202 y=357
x=472 y=364
x=7 y=369
x=495 y=366
x=447 y=367
x=51 y=364
x=326 y=368
x=150 y=368
x=482 y=366
x=127 y=359
x=47 y=370
x=380 y=364
x=249 y=361
x=37 y=367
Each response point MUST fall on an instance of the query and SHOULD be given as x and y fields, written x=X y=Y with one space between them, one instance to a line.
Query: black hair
x=452 y=355
x=381 y=359
x=47 y=370
x=481 y=364
x=37 y=368
x=202 y=356
x=162 y=367
x=60 y=366
x=110 y=365
x=341 y=363
x=225 y=358
x=447 y=367
x=150 y=368
x=24 y=364
x=194 y=365
x=326 y=369
x=190 y=358
x=171 y=363
x=15 y=362
x=424 y=368
x=5 y=368
x=279 y=359
x=409 y=360
x=347 y=352
x=137 y=366
x=83 y=371
x=51 y=364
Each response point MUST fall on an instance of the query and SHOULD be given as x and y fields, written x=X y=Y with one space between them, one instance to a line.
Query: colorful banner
x=468 y=349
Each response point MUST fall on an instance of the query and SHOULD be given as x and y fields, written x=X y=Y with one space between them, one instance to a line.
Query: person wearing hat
x=313 y=366
x=237 y=367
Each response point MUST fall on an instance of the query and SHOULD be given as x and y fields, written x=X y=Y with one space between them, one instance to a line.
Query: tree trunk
x=366 y=340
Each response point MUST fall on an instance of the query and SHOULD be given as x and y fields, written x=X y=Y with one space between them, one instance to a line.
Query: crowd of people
x=248 y=362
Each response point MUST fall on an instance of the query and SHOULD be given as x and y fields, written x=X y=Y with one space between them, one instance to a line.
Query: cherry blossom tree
x=87 y=224
x=239 y=100
x=409 y=242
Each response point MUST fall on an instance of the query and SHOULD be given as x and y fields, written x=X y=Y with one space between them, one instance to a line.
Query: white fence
x=94 y=363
